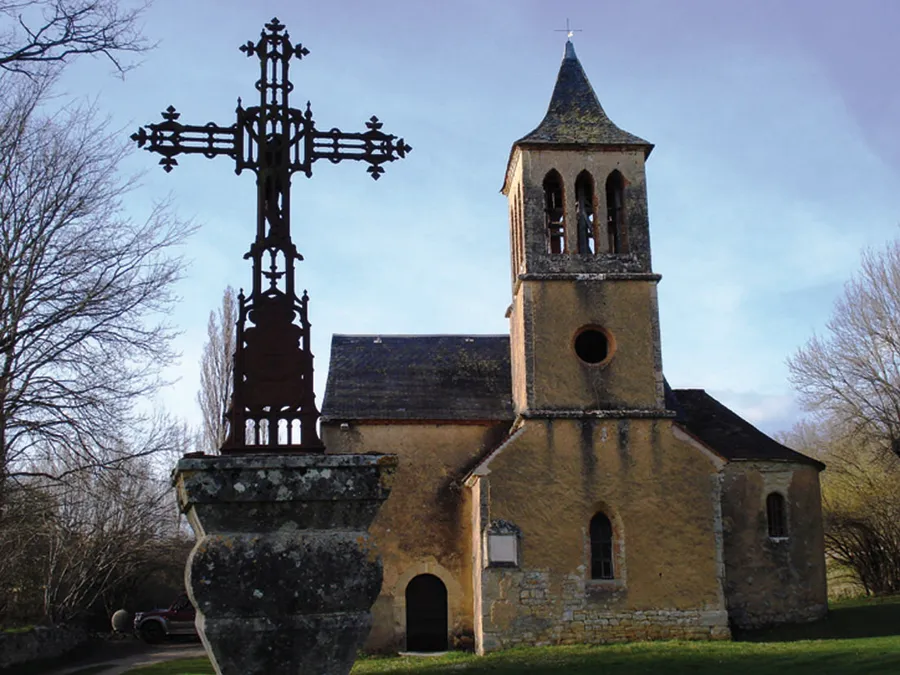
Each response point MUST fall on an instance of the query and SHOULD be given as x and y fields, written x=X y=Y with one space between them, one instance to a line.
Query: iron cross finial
x=568 y=30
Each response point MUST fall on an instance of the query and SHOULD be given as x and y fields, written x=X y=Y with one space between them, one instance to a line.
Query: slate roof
x=731 y=436
x=422 y=377
x=467 y=378
x=575 y=115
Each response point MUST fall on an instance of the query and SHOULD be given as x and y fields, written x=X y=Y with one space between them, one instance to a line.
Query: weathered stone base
x=599 y=627
x=321 y=644
x=748 y=620
x=532 y=610
x=283 y=573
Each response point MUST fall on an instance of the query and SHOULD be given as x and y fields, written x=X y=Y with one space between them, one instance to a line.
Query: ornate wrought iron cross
x=273 y=403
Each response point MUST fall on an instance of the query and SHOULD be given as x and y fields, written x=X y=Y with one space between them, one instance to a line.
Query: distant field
x=859 y=636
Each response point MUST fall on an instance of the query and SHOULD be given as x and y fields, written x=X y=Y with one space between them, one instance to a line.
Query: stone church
x=552 y=488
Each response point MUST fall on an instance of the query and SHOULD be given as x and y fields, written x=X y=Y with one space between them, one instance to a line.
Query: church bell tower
x=584 y=319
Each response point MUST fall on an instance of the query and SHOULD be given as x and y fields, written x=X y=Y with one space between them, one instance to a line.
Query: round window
x=593 y=346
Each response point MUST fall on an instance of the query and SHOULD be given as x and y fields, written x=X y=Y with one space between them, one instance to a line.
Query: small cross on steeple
x=568 y=30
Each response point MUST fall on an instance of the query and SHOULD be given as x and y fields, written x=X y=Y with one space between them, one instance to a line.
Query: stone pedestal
x=283 y=574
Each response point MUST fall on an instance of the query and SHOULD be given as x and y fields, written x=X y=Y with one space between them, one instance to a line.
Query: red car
x=158 y=624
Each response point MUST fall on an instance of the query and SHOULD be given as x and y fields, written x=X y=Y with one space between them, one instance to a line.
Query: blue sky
x=777 y=159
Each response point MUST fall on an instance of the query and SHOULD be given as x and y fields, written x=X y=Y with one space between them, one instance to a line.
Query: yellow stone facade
x=661 y=493
x=512 y=448
x=425 y=527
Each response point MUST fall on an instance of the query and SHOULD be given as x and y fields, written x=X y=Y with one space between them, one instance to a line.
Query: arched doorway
x=426 y=614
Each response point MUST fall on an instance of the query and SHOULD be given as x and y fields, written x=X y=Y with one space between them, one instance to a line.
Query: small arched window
x=601 y=548
x=554 y=213
x=615 y=212
x=584 y=199
x=776 y=515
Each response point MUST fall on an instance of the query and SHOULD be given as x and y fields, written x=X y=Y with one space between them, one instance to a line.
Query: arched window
x=554 y=213
x=601 y=547
x=615 y=212
x=584 y=199
x=776 y=515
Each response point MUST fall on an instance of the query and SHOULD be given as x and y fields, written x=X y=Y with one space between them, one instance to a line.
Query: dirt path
x=122 y=657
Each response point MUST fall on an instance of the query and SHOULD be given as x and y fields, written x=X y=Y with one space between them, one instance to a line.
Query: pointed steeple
x=575 y=115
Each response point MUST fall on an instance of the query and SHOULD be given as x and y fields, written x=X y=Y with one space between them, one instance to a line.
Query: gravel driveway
x=121 y=657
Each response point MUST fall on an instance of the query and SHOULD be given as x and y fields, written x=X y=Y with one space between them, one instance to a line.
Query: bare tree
x=82 y=292
x=861 y=506
x=101 y=534
x=88 y=542
x=23 y=546
x=83 y=289
x=41 y=32
x=216 y=372
x=852 y=373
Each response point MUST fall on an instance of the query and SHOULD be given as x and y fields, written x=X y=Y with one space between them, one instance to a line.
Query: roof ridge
x=730 y=435
x=422 y=335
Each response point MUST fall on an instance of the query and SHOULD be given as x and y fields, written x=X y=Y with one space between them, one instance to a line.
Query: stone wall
x=556 y=295
x=529 y=167
x=773 y=580
x=39 y=644
x=423 y=528
x=556 y=379
x=527 y=609
x=661 y=494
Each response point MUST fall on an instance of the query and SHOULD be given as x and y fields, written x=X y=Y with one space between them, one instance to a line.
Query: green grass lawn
x=857 y=637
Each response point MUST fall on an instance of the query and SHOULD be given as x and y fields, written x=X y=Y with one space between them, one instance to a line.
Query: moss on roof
x=730 y=435
x=420 y=377
x=575 y=115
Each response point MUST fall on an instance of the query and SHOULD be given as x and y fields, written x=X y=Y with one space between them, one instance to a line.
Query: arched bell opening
x=584 y=200
x=554 y=212
x=615 y=213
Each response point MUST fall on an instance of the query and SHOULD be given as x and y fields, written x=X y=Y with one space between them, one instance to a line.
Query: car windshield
x=180 y=604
